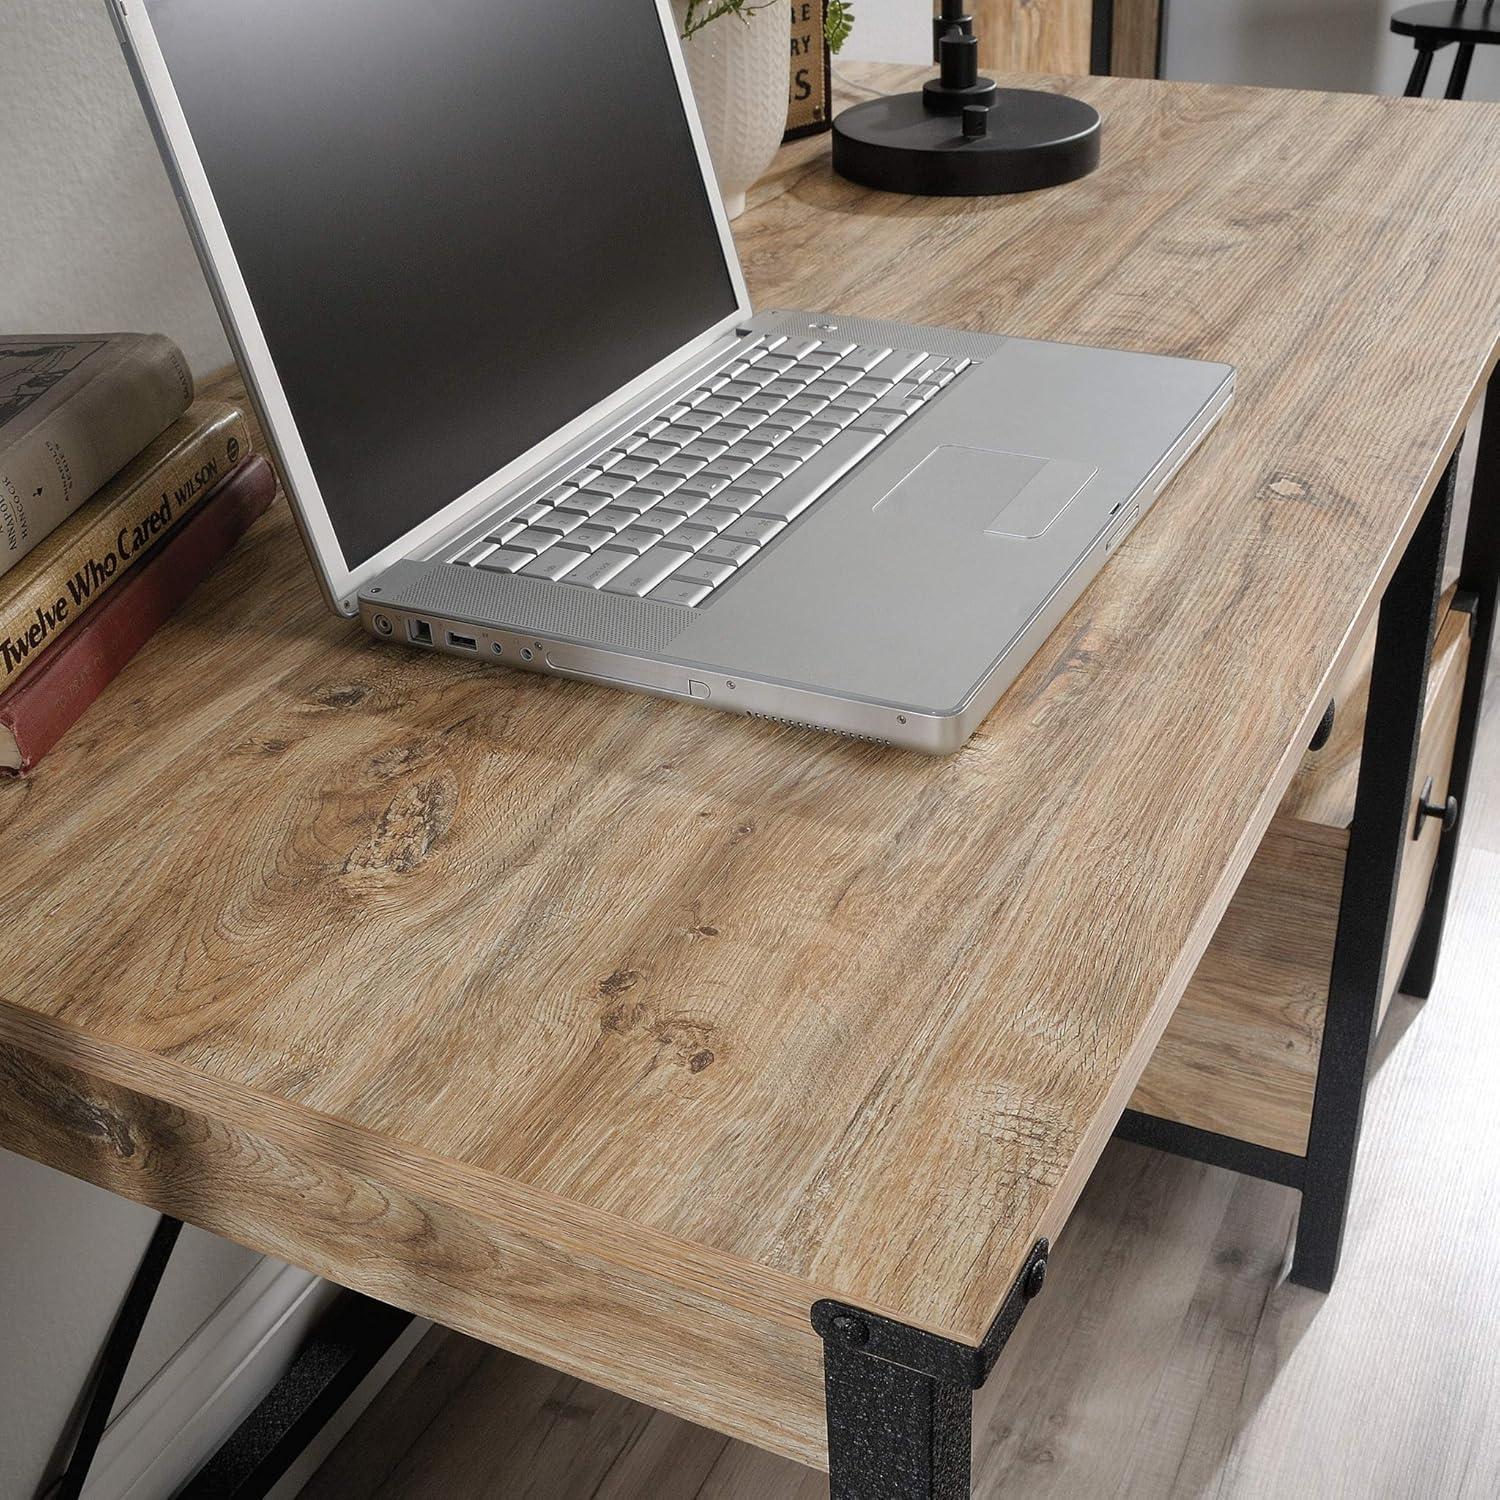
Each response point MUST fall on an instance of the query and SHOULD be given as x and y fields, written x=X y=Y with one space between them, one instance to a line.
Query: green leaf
x=838 y=22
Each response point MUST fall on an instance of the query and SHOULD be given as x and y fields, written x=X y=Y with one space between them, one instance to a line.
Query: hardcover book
x=74 y=409
x=39 y=709
x=79 y=562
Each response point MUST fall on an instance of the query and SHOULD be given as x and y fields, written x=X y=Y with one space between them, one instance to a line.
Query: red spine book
x=38 y=709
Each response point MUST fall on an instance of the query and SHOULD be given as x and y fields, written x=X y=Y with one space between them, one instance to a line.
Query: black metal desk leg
x=1479 y=591
x=113 y=1362
x=1377 y=838
x=900 y=1400
x=1419 y=71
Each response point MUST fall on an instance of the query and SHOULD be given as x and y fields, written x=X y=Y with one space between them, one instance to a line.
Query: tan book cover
x=74 y=409
x=77 y=563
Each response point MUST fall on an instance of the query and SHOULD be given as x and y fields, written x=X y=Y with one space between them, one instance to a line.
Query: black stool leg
x=1459 y=77
x=1419 y=71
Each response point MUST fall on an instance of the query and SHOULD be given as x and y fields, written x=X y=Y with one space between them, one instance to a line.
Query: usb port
x=463 y=642
x=419 y=631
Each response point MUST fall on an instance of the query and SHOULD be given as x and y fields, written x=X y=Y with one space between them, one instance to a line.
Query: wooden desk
x=620 y=1033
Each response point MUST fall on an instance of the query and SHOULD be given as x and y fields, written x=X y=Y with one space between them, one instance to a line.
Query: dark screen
x=461 y=222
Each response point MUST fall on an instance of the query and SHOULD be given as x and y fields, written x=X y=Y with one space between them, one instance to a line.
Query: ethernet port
x=420 y=631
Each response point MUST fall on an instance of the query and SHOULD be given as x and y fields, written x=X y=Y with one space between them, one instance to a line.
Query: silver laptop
x=481 y=285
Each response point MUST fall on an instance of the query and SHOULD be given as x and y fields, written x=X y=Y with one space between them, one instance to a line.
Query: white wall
x=90 y=239
x=90 y=235
x=1311 y=44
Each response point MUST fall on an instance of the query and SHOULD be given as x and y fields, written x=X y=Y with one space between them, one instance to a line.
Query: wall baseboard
x=216 y=1380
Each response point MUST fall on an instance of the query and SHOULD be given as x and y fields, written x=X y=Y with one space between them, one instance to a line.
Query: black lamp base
x=1031 y=140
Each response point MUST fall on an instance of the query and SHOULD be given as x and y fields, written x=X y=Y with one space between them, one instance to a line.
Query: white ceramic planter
x=740 y=70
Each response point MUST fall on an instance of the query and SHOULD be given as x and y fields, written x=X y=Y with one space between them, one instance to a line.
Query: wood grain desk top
x=620 y=1031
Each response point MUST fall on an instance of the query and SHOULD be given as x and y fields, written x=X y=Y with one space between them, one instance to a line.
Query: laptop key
x=896 y=364
x=555 y=562
x=689 y=537
x=648 y=570
x=706 y=484
x=727 y=467
x=729 y=550
x=609 y=484
x=796 y=447
x=700 y=570
x=717 y=516
x=655 y=451
x=559 y=522
x=637 y=538
x=532 y=540
x=878 y=421
x=828 y=465
x=632 y=468
x=758 y=529
x=654 y=488
x=676 y=591
x=597 y=570
x=590 y=537
x=718 y=405
x=863 y=357
x=506 y=560
x=806 y=407
x=764 y=478
x=615 y=518
x=660 y=519
x=707 y=448
x=682 y=502
x=584 y=503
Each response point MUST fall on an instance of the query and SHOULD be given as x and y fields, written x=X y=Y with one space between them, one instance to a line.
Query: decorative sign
x=810 y=97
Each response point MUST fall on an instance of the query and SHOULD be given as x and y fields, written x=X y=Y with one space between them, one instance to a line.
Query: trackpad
x=999 y=493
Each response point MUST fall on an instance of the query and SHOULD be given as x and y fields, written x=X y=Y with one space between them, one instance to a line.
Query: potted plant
x=738 y=55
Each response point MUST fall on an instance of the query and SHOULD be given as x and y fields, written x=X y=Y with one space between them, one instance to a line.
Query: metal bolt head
x=851 y=1330
x=1036 y=1277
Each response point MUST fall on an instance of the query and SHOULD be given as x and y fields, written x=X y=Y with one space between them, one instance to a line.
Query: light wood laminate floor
x=1168 y=1358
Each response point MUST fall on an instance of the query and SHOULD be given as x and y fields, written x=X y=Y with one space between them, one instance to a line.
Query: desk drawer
x=1240 y=1056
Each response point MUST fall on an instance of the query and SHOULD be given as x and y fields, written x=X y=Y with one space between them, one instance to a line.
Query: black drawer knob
x=1427 y=808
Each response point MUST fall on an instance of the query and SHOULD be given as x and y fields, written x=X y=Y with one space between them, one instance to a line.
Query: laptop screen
x=462 y=223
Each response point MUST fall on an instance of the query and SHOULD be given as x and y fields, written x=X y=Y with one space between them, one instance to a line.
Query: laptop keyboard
x=673 y=510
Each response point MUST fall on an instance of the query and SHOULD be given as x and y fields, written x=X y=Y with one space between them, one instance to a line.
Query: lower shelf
x=1240 y=1056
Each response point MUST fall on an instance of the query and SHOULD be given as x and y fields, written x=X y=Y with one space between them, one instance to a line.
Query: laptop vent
x=848 y=734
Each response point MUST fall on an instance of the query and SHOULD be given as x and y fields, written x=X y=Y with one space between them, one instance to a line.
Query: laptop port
x=463 y=642
x=420 y=631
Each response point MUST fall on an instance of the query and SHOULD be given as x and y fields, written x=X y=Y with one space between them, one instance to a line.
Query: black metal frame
x=1377 y=840
x=1378 y=837
x=1479 y=595
x=900 y=1399
x=347 y=1344
x=124 y=1334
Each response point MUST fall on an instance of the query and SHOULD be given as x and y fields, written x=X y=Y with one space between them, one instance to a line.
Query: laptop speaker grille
x=847 y=734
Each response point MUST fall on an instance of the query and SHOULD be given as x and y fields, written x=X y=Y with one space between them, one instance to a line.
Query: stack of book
x=118 y=493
